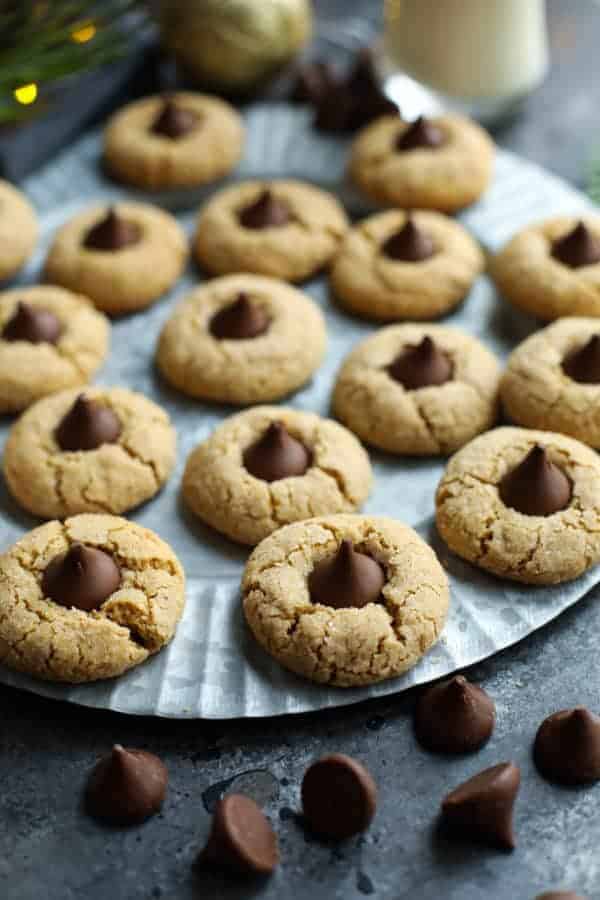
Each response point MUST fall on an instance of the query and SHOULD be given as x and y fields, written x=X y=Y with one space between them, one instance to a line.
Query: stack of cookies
x=335 y=596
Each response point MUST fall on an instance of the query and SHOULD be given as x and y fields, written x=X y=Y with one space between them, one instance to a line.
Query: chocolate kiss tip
x=240 y=320
x=87 y=425
x=577 y=248
x=420 y=133
x=112 y=233
x=409 y=244
x=241 y=838
x=126 y=786
x=83 y=577
x=567 y=747
x=423 y=365
x=348 y=578
x=266 y=212
x=32 y=324
x=536 y=486
x=583 y=364
x=276 y=455
x=482 y=807
x=173 y=121
x=454 y=716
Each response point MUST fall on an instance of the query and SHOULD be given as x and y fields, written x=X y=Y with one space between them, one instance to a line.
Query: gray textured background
x=48 y=849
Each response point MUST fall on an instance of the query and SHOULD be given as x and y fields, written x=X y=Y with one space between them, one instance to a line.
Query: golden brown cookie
x=79 y=636
x=552 y=380
x=371 y=282
x=447 y=175
x=123 y=258
x=50 y=339
x=537 y=546
x=529 y=274
x=287 y=229
x=269 y=466
x=345 y=646
x=18 y=230
x=242 y=339
x=182 y=140
x=52 y=479
x=418 y=389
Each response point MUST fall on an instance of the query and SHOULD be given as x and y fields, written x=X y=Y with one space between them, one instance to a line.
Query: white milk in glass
x=481 y=56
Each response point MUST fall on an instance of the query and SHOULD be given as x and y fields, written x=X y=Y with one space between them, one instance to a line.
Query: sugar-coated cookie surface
x=446 y=177
x=345 y=646
x=219 y=488
x=429 y=420
x=18 y=230
x=293 y=242
x=29 y=371
x=370 y=283
x=114 y=477
x=476 y=523
x=186 y=140
x=268 y=355
x=42 y=637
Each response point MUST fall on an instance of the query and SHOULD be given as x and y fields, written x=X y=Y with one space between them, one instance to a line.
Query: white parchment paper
x=213 y=668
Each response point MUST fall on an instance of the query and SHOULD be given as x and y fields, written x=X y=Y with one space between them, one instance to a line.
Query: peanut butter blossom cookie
x=18 y=230
x=242 y=339
x=269 y=466
x=552 y=380
x=106 y=450
x=444 y=163
x=418 y=390
x=552 y=269
x=345 y=600
x=123 y=257
x=523 y=504
x=287 y=229
x=87 y=598
x=178 y=140
x=394 y=265
x=50 y=339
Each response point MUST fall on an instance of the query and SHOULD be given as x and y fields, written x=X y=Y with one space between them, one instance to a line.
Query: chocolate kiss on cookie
x=409 y=244
x=421 y=365
x=87 y=425
x=454 y=716
x=421 y=133
x=277 y=455
x=174 y=121
x=112 y=233
x=583 y=365
x=482 y=807
x=567 y=747
x=82 y=577
x=32 y=324
x=241 y=838
x=240 y=320
x=577 y=248
x=346 y=579
x=537 y=486
x=339 y=797
x=127 y=786
x=266 y=212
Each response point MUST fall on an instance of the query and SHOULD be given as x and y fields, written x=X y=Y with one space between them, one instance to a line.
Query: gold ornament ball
x=234 y=44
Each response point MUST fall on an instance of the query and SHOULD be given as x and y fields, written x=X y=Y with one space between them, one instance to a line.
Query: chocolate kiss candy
x=583 y=365
x=127 y=786
x=241 y=838
x=82 y=577
x=266 y=212
x=421 y=133
x=577 y=248
x=112 y=233
x=536 y=487
x=483 y=806
x=239 y=320
x=277 y=455
x=32 y=324
x=420 y=366
x=363 y=87
x=454 y=716
x=348 y=578
x=409 y=244
x=87 y=426
x=559 y=895
x=339 y=797
x=567 y=747
x=174 y=121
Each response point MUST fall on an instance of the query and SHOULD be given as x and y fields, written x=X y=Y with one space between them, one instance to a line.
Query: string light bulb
x=84 y=33
x=26 y=93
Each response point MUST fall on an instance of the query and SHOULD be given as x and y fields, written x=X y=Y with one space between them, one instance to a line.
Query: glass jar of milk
x=479 y=56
